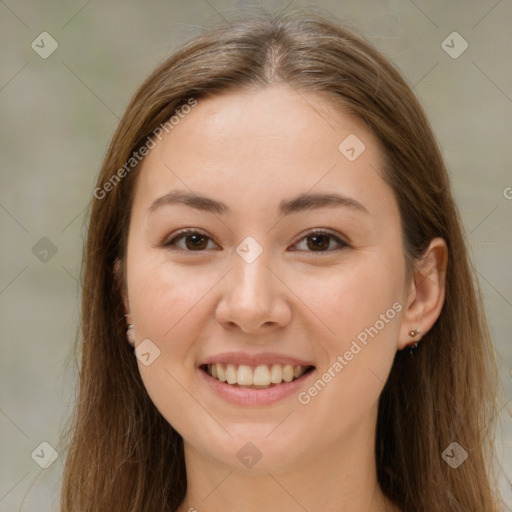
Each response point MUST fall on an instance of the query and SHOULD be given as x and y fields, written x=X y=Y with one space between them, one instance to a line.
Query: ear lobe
x=426 y=294
x=120 y=281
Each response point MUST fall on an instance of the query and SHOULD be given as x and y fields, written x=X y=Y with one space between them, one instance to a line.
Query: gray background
x=58 y=114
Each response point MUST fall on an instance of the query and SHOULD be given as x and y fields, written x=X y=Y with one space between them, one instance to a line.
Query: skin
x=251 y=150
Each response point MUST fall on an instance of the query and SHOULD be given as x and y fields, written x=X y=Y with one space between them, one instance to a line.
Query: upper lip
x=261 y=358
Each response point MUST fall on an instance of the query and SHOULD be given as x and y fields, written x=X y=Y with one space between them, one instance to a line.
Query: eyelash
x=171 y=243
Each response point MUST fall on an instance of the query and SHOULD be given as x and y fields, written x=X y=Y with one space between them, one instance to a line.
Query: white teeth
x=288 y=373
x=261 y=377
x=244 y=375
x=230 y=374
x=276 y=374
x=221 y=374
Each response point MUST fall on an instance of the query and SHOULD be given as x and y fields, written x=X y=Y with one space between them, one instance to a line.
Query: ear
x=426 y=293
x=121 y=283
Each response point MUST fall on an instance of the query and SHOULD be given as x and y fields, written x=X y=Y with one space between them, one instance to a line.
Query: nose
x=253 y=298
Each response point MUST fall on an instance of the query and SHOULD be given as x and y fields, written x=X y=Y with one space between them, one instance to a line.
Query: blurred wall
x=58 y=111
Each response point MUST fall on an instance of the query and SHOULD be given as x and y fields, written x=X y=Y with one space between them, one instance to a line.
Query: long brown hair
x=123 y=455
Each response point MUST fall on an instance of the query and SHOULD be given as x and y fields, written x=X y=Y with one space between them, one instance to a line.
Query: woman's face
x=294 y=258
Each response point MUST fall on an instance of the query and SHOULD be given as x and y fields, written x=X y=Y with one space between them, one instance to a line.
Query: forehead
x=257 y=147
x=276 y=122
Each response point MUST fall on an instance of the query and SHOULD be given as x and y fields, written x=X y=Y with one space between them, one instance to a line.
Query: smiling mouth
x=255 y=377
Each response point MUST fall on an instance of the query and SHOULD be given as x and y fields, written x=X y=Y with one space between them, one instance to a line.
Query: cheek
x=352 y=298
x=167 y=308
x=164 y=300
x=360 y=306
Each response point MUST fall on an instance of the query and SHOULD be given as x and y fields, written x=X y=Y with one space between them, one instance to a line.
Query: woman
x=278 y=308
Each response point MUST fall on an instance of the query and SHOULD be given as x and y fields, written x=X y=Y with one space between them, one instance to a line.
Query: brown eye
x=193 y=241
x=321 y=241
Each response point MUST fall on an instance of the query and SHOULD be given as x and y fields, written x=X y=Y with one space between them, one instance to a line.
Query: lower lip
x=255 y=397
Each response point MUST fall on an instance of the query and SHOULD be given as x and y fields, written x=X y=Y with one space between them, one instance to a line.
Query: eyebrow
x=298 y=204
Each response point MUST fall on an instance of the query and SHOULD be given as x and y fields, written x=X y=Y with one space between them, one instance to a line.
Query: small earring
x=130 y=334
x=412 y=348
